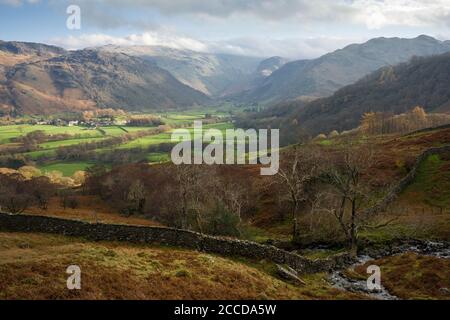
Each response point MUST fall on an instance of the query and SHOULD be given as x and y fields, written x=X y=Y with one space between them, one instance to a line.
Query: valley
x=363 y=176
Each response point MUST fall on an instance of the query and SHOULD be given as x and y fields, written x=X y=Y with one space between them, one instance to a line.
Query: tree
x=321 y=136
x=94 y=178
x=222 y=222
x=333 y=134
x=136 y=197
x=42 y=190
x=29 y=172
x=300 y=167
x=350 y=192
x=13 y=194
x=79 y=177
x=187 y=189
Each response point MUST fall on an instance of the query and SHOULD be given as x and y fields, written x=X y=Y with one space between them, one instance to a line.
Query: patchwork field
x=80 y=135
x=13 y=131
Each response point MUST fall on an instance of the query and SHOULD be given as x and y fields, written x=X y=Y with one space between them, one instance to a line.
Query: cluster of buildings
x=94 y=123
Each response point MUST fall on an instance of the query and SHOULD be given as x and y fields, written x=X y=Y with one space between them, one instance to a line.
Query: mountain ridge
x=86 y=79
x=214 y=74
x=392 y=90
x=325 y=75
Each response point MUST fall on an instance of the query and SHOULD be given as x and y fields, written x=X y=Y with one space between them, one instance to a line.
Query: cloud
x=374 y=14
x=18 y=2
x=144 y=39
x=411 y=13
x=294 y=48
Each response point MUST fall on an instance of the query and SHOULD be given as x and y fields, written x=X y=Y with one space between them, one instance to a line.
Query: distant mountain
x=212 y=74
x=88 y=79
x=323 y=76
x=29 y=49
x=394 y=90
x=253 y=80
x=269 y=66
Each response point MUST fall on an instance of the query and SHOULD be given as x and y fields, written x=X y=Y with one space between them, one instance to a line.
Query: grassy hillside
x=87 y=80
x=32 y=266
x=321 y=77
x=432 y=185
x=422 y=210
x=391 y=90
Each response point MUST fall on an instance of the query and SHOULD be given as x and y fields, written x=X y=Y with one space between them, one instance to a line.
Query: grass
x=326 y=142
x=33 y=266
x=82 y=135
x=432 y=184
x=422 y=209
x=158 y=157
x=66 y=168
x=413 y=276
x=13 y=131
x=90 y=209
x=147 y=141
x=68 y=142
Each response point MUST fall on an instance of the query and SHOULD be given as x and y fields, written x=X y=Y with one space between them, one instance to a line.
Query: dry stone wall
x=167 y=236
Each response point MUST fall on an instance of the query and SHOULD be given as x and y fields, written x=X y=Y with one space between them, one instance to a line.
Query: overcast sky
x=290 y=28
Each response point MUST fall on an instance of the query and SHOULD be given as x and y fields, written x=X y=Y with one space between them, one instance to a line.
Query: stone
x=290 y=274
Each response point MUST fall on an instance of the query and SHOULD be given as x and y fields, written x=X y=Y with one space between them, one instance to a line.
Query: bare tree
x=350 y=192
x=13 y=194
x=136 y=197
x=298 y=170
x=187 y=191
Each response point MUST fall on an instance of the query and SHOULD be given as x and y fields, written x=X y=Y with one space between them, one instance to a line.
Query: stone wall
x=167 y=236
x=402 y=184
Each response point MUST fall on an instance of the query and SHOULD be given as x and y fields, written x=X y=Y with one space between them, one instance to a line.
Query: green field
x=67 y=168
x=69 y=142
x=165 y=137
x=158 y=157
x=9 y=132
x=82 y=135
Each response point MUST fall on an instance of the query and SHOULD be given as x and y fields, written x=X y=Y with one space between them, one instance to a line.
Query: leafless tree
x=13 y=194
x=298 y=170
x=350 y=192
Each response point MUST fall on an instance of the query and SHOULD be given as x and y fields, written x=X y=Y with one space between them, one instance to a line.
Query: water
x=340 y=281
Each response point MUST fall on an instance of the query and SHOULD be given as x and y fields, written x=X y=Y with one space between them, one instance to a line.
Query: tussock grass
x=32 y=266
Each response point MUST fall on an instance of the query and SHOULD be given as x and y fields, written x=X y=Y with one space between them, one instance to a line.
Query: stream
x=430 y=248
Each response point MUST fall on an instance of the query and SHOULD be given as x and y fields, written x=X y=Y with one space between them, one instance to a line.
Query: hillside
x=323 y=76
x=126 y=271
x=14 y=52
x=391 y=90
x=421 y=210
x=212 y=74
x=86 y=79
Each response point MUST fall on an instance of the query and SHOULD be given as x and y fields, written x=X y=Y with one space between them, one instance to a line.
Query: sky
x=295 y=29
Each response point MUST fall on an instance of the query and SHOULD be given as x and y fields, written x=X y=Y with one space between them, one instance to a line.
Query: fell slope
x=87 y=79
x=323 y=76
x=212 y=74
x=33 y=266
x=391 y=90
